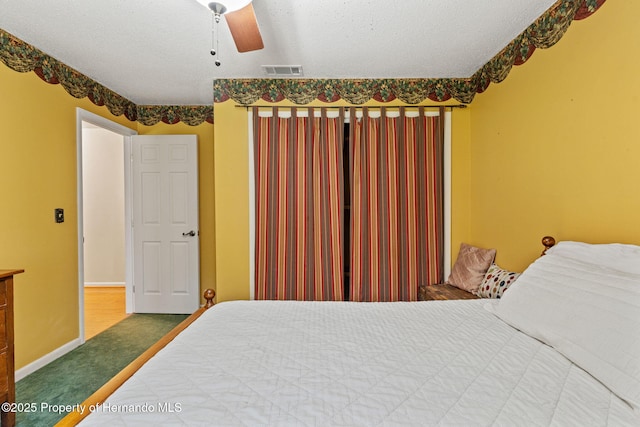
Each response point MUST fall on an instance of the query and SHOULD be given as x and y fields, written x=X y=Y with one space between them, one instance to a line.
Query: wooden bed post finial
x=548 y=242
x=209 y=295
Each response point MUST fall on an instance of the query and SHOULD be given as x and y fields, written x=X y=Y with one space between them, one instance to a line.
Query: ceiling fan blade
x=244 y=29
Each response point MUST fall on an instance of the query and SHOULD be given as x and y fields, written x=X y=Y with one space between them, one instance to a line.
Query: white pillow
x=589 y=313
x=611 y=255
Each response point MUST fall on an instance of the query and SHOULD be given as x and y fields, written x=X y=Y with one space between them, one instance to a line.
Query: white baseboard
x=88 y=284
x=46 y=359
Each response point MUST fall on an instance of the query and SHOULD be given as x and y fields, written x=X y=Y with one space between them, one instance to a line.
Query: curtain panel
x=299 y=186
x=396 y=178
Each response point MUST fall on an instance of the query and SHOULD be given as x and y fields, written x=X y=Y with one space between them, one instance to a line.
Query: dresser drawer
x=3 y=292
x=4 y=374
x=3 y=329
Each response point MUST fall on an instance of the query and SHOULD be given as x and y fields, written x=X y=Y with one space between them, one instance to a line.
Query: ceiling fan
x=241 y=20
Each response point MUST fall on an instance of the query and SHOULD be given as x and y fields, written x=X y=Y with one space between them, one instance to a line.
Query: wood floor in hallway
x=103 y=307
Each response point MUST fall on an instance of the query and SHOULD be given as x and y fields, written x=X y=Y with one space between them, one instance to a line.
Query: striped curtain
x=396 y=204
x=299 y=185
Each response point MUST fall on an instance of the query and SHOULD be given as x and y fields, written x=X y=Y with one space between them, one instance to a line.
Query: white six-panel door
x=165 y=224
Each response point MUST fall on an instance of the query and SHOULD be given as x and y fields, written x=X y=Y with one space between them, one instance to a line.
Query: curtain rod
x=356 y=107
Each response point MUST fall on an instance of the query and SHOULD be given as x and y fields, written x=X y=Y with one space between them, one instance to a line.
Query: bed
x=562 y=347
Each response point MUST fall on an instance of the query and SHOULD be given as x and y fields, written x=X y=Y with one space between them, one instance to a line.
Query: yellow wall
x=231 y=202
x=232 y=188
x=38 y=174
x=555 y=148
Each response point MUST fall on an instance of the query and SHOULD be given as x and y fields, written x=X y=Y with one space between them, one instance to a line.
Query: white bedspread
x=448 y=363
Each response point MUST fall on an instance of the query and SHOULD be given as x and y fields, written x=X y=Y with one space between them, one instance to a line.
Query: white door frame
x=86 y=116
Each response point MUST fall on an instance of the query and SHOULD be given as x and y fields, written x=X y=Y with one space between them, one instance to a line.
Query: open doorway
x=103 y=228
x=104 y=255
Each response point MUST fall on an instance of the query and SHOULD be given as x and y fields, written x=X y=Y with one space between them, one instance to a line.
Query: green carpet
x=72 y=378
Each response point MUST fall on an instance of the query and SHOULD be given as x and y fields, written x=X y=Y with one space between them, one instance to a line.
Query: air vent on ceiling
x=282 y=70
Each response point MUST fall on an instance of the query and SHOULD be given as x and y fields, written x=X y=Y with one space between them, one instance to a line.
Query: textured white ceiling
x=157 y=52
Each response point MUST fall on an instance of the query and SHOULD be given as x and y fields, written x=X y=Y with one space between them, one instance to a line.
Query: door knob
x=190 y=233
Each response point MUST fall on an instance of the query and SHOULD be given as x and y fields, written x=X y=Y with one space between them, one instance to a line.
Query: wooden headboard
x=548 y=242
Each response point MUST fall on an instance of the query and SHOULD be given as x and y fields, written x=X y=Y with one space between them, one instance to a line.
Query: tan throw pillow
x=470 y=267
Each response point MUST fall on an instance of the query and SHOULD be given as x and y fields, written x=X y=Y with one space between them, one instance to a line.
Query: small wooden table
x=7 y=369
x=442 y=292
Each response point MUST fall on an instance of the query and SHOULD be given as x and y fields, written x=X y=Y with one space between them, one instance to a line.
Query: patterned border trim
x=193 y=115
x=22 y=57
x=543 y=33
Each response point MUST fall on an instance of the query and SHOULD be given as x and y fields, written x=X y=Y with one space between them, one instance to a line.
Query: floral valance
x=543 y=33
x=191 y=115
x=22 y=57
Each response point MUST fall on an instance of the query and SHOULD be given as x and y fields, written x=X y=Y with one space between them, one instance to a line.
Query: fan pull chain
x=214 y=37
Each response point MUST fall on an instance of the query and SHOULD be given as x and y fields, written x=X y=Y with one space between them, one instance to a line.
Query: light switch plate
x=59 y=215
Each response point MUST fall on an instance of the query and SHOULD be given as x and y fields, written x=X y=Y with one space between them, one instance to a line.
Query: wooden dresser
x=7 y=374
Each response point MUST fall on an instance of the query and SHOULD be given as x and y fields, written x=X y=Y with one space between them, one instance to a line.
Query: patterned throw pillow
x=470 y=267
x=496 y=281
